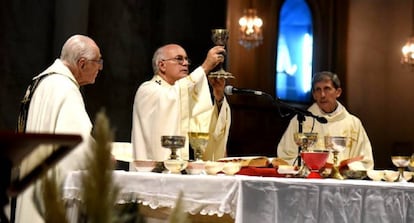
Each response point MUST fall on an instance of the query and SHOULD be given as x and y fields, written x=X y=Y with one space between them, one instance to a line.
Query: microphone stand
x=301 y=119
x=298 y=111
x=300 y=114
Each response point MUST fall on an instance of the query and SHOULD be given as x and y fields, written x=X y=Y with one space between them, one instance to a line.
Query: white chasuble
x=163 y=109
x=56 y=107
x=340 y=123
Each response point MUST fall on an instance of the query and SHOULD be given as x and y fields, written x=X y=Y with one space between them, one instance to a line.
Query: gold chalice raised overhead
x=219 y=38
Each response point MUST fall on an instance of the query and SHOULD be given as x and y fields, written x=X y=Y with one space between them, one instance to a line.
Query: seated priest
x=326 y=88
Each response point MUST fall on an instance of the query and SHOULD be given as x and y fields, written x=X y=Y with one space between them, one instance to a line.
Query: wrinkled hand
x=218 y=85
x=214 y=58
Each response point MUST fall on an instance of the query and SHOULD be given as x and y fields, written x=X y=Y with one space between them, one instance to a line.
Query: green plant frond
x=177 y=214
x=51 y=205
x=99 y=193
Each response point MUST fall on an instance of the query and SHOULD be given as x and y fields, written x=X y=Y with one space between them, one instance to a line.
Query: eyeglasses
x=100 y=62
x=179 y=59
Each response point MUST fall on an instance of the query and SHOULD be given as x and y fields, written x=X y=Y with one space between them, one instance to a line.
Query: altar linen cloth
x=328 y=200
x=251 y=199
x=202 y=194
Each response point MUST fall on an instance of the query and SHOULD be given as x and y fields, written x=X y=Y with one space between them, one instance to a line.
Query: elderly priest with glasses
x=175 y=102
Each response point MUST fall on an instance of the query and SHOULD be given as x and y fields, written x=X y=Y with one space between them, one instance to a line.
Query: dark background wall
x=358 y=39
x=257 y=122
x=127 y=31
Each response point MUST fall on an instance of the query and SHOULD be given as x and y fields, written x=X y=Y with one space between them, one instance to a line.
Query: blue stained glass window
x=294 y=52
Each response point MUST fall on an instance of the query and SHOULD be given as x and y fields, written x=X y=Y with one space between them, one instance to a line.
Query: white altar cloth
x=202 y=194
x=266 y=199
x=328 y=200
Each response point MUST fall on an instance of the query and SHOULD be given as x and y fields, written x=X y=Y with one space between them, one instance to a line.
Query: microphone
x=320 y=119
x=230 y=90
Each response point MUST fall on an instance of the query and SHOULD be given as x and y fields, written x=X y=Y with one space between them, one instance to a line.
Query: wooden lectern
x=14 y=147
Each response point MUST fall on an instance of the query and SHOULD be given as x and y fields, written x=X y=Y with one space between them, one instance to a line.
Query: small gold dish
x=175 y=166
x=213 y=167
x=231 y=168
x=354 y=174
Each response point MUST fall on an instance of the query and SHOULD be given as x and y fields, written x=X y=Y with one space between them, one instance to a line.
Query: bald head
x=78 y=46
x=83 y=58
x=161 y=53
x=171 y=63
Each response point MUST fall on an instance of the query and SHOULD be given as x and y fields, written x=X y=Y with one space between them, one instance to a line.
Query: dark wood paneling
x=256 y=124
x=128 y=32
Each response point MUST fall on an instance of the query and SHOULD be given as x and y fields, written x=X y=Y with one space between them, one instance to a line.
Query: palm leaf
x=99 y=193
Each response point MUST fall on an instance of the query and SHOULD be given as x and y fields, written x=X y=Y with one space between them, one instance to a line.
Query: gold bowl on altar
x=144 y=165
x=175 y=166
x=287 y=169
x=354 y=174
x=391 y=175
x=213 y=167
x=231 y=168
x=196 y=167
x=375 y=175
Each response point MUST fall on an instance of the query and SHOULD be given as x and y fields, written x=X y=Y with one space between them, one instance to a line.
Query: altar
x=248 y=199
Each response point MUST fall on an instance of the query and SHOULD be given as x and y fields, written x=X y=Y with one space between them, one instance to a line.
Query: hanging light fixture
x=250 y=29
x=408 y=52
x=408 y=48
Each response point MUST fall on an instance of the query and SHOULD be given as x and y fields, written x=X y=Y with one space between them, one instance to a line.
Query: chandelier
x=250 y=29
x=408 y=52
x=408 y=48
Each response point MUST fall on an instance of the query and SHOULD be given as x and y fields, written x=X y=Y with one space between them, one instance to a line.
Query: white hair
x=76 y=47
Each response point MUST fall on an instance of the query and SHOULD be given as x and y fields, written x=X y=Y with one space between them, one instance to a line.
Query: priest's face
x=90 y=68
x=325 y=95
x=174 y=63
